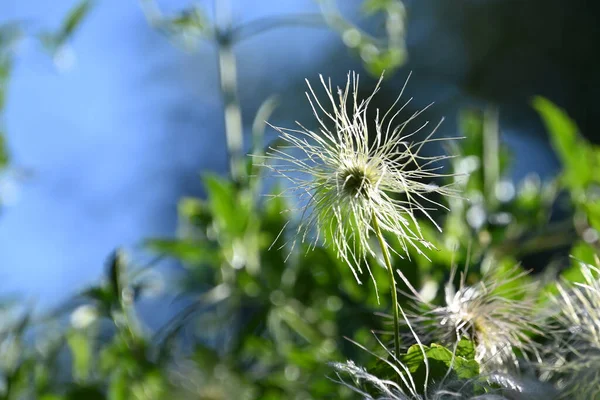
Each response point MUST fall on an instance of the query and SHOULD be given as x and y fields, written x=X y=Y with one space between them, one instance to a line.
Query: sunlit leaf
x=81 y=353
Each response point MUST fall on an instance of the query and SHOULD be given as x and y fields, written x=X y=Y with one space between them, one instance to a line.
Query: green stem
x=491 y=153
x=388 y=264
x=229 y=90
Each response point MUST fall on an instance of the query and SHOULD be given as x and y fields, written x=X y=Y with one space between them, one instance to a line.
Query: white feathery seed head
x=488 y=314
x=355 y=170
x=574 y=360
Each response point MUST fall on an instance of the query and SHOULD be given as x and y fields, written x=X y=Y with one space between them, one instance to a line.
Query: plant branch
x=262 y=25
x=228 y=80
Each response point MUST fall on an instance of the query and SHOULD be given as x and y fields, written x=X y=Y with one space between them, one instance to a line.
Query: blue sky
x=113 y=142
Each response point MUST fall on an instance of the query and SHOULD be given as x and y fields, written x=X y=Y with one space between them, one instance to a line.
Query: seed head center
x=356 y=182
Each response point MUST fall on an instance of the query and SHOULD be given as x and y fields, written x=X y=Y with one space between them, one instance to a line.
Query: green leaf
x=73 y=20
x=580 y=163
x=194 y=211
x=230 y=210
x=386 y=60
x=53 y=41
x=105 y=298
x=6 y=64
x=4 y=157
x=581 y=253
x=465 y=369
x=440 y=360
x=118 y=388
x=51 y=397
x=116 y=273
x=81 y=353
x=465 y=349
x=186 y=250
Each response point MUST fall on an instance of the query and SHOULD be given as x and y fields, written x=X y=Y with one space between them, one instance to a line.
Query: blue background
x=111 y=143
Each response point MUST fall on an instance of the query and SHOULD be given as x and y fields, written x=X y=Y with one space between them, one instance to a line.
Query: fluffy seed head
x=574 y=361
x=487 y=314
x=357 y=169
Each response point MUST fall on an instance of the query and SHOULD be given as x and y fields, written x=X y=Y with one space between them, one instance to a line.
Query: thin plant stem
x=228 y=80
x=491 y=152
x=262 y=25
x=388 y=264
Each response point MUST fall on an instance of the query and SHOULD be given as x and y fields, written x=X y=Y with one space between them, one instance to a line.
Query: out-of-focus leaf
x=54 y=41
x=105 y=298
x=119 y=386
x=581 y=253
x=73 y=19
x=230 y=208
x=290 y=316
x=116 y=273
x=49 y=396
x=386 y=60
x=151 y=386
x=194 y=212
x=187 y=250
x=581 y=164
x=4 y=157
x=81 y=353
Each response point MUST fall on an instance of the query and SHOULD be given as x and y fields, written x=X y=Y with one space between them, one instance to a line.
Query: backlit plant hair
x=399 y=382
x=348 y=174
x=497 y=314
x=574 y=359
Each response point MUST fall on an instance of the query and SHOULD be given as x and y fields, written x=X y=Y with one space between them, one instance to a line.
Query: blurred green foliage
x=9 y=35
x=263 y=321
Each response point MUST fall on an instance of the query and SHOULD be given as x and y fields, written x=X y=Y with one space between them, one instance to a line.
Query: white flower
x=357 y=170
